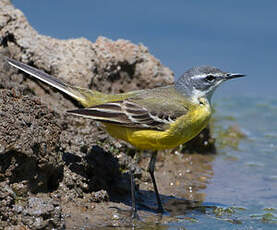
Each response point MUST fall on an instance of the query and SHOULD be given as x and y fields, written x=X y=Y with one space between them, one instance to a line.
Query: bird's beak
x=233 y=75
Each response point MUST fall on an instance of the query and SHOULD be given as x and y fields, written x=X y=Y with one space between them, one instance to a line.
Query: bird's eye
x=210 y=78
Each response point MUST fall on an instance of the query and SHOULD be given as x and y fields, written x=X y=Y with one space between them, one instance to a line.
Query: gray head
x=201 y=81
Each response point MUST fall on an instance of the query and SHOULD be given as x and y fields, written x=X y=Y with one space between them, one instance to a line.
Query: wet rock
x=28 y=213
x=99 y=196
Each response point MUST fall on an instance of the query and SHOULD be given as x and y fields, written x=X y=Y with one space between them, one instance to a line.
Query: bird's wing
x=145 y=111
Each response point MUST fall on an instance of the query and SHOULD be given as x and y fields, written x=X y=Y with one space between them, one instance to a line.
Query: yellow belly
x=182 y=130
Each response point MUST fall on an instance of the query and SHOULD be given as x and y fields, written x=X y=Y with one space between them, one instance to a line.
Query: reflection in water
x=177 y=207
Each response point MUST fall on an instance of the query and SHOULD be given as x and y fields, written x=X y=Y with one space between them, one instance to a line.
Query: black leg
x=133 y=195
x=151 y=169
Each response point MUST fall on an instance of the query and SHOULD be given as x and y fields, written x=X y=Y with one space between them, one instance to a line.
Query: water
x=244 y=183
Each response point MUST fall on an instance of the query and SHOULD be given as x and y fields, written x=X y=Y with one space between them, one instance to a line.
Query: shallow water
x=242 y=192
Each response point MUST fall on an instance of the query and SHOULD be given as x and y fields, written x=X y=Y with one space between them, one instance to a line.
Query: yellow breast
x=182 y=130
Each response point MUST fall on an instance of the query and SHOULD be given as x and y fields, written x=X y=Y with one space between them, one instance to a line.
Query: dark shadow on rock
x=8 y=37
x=104 y=164
x=100 y=168
x=20 y=168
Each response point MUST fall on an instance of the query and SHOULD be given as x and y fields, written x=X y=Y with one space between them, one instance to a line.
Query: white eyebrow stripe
x=199 y=76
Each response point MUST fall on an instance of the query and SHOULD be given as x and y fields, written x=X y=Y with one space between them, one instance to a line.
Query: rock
x=29 y=134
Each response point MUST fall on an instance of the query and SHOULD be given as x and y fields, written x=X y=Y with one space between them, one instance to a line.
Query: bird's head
x=201 y=81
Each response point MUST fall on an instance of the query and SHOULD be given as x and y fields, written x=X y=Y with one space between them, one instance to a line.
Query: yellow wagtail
x=151 y=119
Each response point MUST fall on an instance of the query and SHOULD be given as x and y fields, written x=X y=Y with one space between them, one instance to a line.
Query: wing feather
x=128 y=114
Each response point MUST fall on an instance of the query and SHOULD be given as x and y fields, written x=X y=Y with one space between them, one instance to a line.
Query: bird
x=149 y=119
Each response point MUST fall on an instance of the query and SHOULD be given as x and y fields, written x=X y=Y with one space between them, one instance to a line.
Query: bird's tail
x=85 y=96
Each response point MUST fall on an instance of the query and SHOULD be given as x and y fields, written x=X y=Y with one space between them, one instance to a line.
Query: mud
x=59 y=171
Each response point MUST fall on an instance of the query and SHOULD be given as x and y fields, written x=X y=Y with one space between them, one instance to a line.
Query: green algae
x=267 y=217
x=230 y=137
